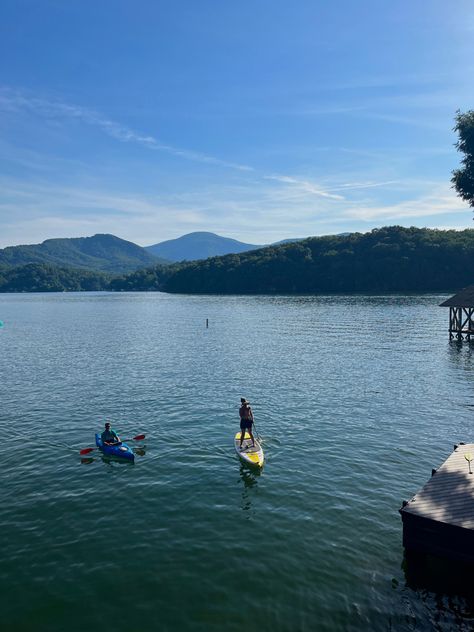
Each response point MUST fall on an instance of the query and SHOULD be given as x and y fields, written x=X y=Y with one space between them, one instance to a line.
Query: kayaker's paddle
x=88 y=450
x=137 y=438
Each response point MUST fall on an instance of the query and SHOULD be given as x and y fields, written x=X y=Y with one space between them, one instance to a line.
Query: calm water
x=356 y=398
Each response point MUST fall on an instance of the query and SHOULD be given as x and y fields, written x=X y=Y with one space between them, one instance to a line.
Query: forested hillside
x=35 y=277
x=105 y=253
x=392 y=259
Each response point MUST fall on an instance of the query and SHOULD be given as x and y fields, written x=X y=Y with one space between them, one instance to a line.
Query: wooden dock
x=439 y=519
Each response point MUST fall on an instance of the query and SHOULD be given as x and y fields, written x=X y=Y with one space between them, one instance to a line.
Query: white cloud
x=440 y=201
x=304 y=185
x=365 y=185
x=251 y=212
x=14 y=101
x=258 y=207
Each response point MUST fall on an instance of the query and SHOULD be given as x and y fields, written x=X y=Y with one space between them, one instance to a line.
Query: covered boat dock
x=461 y=314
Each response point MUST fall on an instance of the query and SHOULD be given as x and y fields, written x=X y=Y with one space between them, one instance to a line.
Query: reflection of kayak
x=120 y=450
x=249 y=454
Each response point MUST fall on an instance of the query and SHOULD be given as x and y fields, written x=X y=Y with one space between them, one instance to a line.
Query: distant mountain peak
x=198 y=245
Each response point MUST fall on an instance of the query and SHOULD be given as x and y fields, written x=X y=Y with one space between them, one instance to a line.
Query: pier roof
x=464 y=298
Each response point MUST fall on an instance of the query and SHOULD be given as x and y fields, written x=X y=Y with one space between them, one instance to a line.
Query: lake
x=356 y=399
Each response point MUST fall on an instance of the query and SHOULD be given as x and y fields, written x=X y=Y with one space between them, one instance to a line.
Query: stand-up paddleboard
x=252 y=455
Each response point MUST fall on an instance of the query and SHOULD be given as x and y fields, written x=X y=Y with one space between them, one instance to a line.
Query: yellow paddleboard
x=252 y=455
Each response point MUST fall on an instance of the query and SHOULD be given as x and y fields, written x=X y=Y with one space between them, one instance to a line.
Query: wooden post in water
x=207 y=323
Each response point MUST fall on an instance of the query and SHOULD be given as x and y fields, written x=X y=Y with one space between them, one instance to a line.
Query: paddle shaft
x=256 y=430
x=88 y=450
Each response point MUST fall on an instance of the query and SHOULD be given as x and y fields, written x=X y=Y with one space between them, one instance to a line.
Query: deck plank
x=448 y=497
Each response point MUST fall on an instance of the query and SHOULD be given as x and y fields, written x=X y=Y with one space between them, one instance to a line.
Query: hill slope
x=105 y=253
x=44 y=277
x=198 y=245
x=392 y=259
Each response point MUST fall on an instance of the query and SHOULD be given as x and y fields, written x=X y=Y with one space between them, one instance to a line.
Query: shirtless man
x=246 y=420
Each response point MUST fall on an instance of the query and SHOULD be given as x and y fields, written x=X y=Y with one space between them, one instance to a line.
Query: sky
x=259 y=120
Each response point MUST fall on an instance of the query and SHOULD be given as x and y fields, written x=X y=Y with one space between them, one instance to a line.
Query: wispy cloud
x=428 y=106
x=11 y=100
x=364 y=185
x=249 y=211
x=14 y=100
x=439 y=201
x=304 y=185
x=251 y=204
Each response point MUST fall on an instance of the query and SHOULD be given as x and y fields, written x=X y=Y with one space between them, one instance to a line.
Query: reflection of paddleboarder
x=246 y=420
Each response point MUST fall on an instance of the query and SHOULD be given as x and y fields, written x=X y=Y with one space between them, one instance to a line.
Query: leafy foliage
x=463 y=179
x=388 y=259
x=392 y=259
x=36 y=277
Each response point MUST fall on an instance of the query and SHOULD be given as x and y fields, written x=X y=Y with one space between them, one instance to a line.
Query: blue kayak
x=119 y=450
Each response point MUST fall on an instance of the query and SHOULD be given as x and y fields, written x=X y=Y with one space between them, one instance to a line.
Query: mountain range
x=110 y=254
x=390 y=259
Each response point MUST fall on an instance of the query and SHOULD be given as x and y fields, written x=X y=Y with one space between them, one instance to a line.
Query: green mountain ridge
x=390 y=259
x=386 y=260
x=101 y=252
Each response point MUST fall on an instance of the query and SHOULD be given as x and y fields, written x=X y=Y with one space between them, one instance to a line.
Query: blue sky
x=258 y=120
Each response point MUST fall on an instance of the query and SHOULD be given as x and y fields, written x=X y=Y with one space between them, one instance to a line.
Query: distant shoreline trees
x=43 y=277
x=391 y=259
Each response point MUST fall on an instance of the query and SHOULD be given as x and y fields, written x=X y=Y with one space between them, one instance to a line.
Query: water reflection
x=249 y=477
x=87 y=460
x=140 y=451
x=445 y=586
x=462 y=353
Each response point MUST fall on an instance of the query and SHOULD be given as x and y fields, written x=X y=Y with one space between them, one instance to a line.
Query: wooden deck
x=439 y=519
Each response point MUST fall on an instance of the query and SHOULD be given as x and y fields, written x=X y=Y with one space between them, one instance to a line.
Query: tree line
x=44 y=277
x=391 y=259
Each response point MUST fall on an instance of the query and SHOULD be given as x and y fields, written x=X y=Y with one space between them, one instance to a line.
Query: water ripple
x=188 y=538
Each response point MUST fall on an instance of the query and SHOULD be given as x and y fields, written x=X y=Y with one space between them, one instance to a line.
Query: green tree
x=463 y=178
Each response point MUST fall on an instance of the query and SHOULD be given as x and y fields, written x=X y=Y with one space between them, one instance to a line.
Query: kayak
x=119 y=450
x=252 y=455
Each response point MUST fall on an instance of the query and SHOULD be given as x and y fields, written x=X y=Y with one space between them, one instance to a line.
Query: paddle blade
x=86 y=450
x=139 y=437
x=468 y=456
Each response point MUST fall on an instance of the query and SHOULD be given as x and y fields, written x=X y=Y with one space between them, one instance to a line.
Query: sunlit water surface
x=356 y=399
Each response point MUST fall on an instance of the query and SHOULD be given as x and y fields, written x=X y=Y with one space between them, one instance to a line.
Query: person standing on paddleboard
x=246 y=420
x=109 y=436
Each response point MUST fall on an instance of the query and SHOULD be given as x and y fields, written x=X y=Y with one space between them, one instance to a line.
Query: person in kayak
x=246 y=420
x=109 y=436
